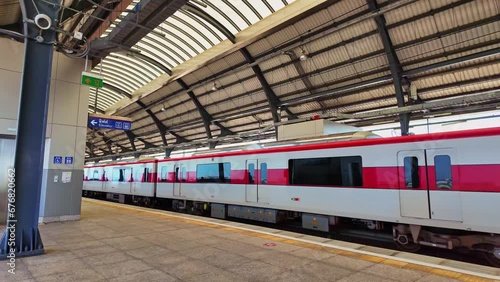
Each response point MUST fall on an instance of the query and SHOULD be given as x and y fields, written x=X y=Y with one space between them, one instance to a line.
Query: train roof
x=339 y=144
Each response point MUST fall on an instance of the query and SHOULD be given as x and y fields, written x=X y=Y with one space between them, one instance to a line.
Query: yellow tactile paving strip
x=365 y=257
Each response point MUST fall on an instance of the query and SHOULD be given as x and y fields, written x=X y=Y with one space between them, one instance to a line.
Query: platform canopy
x=206 y=73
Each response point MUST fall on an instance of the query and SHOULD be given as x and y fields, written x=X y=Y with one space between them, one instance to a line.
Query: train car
x=440 y=190
x=135 y=181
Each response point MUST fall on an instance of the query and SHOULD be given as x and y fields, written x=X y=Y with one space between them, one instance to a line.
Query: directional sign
x=68 y=160
x=58 y=159
x=108 y=123
x=91 y=80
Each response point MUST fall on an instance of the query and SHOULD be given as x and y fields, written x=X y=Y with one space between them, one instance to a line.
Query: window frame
x=334 y=171
x=223 y=169
x=263 y=173
x=440 y=170
x=412 y=172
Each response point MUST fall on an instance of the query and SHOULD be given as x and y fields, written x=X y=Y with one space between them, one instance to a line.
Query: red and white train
x=440 y=190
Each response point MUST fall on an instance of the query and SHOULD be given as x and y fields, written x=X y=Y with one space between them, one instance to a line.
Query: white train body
x=449 y=180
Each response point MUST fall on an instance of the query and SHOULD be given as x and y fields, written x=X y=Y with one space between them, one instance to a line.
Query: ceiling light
x=383 y=122
x=163 y=108
x=303 y=57
x=214 y=88
x=436 y=115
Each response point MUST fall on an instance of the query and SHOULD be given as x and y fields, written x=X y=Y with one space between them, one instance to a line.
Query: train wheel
x=404 y=243
x=410 y=247
x=493 y=258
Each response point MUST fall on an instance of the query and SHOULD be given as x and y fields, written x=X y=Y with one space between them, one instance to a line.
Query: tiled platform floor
x=117 y=244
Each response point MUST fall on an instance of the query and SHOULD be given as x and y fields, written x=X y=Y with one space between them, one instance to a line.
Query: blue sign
x=68 y=160
x=58 y=159
x=99 y=122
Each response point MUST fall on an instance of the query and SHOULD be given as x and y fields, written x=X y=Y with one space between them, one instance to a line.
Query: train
x=440 y=190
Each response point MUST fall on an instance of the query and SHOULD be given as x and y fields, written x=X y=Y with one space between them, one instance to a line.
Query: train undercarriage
x=408 y=238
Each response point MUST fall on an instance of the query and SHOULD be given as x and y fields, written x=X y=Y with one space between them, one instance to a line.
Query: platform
x=114 y=242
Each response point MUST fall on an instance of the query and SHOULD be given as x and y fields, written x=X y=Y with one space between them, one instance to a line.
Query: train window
x=177 y=174
x=119 y=175
x=145 y=176
x=263 y=173
x=412 y=176
x=163 y=174
x=338 y=171
x=251 y=173
x=184 y=174
x=442 y=165
x=95 y=176
x=215 y=173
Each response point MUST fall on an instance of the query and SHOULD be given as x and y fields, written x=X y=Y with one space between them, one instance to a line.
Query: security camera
x=43 y=21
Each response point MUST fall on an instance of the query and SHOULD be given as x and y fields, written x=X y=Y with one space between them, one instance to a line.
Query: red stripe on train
x=466 y=178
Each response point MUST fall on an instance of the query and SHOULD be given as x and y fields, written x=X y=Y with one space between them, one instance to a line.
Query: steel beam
x=451 y=62
x=147 y=145
x=178 y=139
x=348 y=20
x=207 y=118
x=394 y=65
x=109 y=142
x=131 y=138
x=272 y=99
x=21 y=236
x=303 y=75
x=110 y=19
x=90 y=147
x=161 y=127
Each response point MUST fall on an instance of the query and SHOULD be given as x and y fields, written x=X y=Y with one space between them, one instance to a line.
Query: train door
x=251 y=188
x=262 y=191
x=413 y=188
x=428 y=186
x=180 y=172
x=444 y=196
x=105 y=177
x=141 y=177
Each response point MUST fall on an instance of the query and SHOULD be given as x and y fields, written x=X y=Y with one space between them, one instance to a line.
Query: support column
x=22 y=237
x=394 y=65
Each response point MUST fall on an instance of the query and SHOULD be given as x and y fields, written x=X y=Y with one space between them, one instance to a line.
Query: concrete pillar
x=66 y=128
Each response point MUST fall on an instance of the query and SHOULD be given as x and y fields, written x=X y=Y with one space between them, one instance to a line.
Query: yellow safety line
x=359 y=256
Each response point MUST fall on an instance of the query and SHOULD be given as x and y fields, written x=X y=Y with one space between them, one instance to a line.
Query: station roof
x=190 y=72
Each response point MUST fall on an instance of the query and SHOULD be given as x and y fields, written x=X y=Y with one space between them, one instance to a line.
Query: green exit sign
x=91 y=80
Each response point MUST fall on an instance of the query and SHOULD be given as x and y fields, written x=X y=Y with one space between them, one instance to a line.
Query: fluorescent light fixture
x=453 y=122
x=383 y=122
x=437 y=115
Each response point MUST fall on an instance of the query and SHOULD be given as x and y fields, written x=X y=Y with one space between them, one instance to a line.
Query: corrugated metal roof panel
x=282 y=35
x=364 y=46
x=358 y=29
x=292 y=87
x=344 y=9
x=281 y=74
x=316 y=20
x=411 y=10
x=274 y=62
x=335 y=56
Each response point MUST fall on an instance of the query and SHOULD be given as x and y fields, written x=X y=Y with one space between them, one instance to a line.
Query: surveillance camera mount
x=43 y=21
